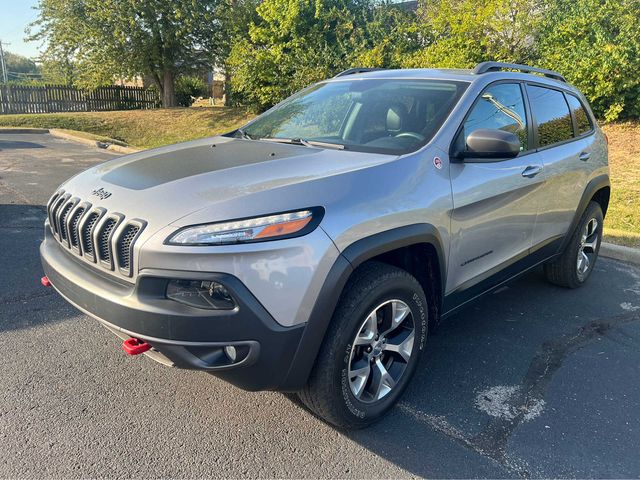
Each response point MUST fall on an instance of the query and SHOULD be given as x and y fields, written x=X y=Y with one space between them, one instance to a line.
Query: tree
x=20 y=66
x=235 y=16
x=108 y=38
x=294 y=43
x=462 y=33
x=596 y=45
x=391 y=35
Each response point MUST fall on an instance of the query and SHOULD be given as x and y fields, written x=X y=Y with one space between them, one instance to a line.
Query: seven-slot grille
x=94 y=233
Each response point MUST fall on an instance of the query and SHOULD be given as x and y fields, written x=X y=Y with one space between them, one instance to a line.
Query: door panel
x=495 y=204
x=566 y=161
x=566 y=178
x=494 y=214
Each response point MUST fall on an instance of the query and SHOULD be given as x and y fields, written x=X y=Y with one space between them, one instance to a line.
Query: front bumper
x=180 y=335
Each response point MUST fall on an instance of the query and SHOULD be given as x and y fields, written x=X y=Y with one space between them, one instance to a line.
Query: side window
x=552 y=115
x=582 y=118
x=499 y=107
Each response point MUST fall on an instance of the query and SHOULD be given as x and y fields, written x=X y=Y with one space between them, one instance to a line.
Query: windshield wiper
x=244 y=134
x=306 y=143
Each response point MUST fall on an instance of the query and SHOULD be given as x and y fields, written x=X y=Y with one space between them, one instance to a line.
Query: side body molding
x=353 y=256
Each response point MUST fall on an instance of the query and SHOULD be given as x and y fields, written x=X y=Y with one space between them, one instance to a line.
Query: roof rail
x=485 y=67
x=353 y=71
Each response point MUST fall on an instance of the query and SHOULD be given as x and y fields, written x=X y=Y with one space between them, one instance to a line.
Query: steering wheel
x=417 y=136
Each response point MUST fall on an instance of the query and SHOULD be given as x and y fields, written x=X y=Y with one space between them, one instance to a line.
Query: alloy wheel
x=381 y=351
x=587 y=249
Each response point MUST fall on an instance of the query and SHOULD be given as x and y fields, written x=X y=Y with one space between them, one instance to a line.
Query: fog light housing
x=231 y=353
x=205 y=294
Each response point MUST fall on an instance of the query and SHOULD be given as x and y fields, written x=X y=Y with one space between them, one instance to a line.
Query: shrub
x=188 y=87
x=596 y=45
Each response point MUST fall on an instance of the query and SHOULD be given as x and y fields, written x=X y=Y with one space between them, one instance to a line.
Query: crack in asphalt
x=492 y=441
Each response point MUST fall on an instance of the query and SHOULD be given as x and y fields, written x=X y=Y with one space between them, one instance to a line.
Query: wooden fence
x=60 y=98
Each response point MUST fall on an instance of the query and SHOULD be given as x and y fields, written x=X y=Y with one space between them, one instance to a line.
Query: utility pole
x=5 y=78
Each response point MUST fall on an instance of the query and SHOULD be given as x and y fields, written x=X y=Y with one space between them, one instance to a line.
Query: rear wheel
x=576 y=263
x=371 y=348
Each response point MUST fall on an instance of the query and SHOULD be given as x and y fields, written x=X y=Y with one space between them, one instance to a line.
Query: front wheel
x=573 y=267
x=371 y=348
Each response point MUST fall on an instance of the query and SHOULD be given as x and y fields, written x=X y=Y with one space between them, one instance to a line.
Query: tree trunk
x=226 y=96
x=169 y=90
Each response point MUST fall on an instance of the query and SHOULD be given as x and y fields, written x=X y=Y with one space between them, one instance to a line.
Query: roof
x=463 y=75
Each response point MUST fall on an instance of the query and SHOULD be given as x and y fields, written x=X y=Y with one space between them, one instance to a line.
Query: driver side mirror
x=490 y=144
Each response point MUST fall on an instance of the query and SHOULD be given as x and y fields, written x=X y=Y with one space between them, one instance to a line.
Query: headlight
x=257 y=229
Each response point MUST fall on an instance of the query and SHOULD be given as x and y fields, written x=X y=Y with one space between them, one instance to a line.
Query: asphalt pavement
x=532 y=381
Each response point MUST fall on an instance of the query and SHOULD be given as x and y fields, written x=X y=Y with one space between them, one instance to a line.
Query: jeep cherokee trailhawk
x=311 y=250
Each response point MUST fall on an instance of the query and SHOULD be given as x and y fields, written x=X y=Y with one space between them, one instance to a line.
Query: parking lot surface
x=532 y=381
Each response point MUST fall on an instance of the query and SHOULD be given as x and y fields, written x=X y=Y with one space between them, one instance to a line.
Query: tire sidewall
x=400 y=288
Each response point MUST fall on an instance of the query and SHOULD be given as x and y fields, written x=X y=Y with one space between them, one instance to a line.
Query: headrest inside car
x=396 y=115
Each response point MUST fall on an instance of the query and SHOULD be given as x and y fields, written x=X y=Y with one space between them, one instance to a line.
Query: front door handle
x=584 y=156
x=531 y=171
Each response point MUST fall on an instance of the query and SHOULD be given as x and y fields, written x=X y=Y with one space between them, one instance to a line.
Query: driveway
x=532 y=381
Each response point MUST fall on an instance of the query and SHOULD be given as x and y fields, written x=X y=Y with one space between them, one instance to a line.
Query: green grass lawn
x=140 y=128
x=622 y=224
x=154 y=128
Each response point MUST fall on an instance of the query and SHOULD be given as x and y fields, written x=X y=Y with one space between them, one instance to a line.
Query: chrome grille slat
x=55 y=209
x=104 y=240
x=86 y=234
x=75 y=220
x=98 y=236
x=62 y=219
x=124 y=246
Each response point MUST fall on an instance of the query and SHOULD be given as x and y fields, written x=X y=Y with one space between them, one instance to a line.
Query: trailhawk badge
x=101 y=193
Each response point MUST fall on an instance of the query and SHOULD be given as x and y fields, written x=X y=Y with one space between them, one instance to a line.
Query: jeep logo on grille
x=101 y=193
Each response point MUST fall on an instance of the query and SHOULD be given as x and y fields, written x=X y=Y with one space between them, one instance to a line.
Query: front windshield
x=370 y=115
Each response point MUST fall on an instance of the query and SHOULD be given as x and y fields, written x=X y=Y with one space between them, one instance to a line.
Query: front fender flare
x=350 y=258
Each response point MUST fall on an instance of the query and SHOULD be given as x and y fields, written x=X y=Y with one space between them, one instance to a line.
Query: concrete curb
x=23 y=130
x=618 y=252
x=92 y=143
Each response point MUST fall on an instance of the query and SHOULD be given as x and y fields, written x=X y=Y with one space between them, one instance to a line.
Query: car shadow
x=24 y=302
x=18 y=145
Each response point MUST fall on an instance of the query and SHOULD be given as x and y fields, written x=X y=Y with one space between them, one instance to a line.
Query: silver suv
x=311 y=250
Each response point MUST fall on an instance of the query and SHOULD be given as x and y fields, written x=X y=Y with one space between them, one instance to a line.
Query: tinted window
x=582 y=119
x=500 y=107
x=552 y=115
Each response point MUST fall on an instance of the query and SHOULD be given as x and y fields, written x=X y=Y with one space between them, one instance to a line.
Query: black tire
x=328 y=392
x=564 y=270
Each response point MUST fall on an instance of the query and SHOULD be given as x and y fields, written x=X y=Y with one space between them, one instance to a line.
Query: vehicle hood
x=220 y=177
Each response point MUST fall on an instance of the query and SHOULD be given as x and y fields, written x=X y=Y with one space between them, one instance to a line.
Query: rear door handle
x=531 y=171
x=584 y=156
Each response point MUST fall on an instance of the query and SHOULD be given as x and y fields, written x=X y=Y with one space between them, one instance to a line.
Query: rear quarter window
x=551 y=113
x=583 y=122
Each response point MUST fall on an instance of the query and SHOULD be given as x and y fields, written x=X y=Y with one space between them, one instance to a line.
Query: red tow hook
x=45 y=281
x=135 y=346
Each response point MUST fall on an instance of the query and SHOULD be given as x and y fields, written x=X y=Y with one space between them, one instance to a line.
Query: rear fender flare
x=594 y=185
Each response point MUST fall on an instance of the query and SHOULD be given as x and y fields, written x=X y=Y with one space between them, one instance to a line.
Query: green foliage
x=391 y=34
x=270 y=49
x=462 y=33
x=20 y=66
x=596 y=45
x=294 y=43
x=103 y=39
x=188 y=87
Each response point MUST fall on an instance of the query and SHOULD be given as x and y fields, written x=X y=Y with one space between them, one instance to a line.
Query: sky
x=15 y=15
